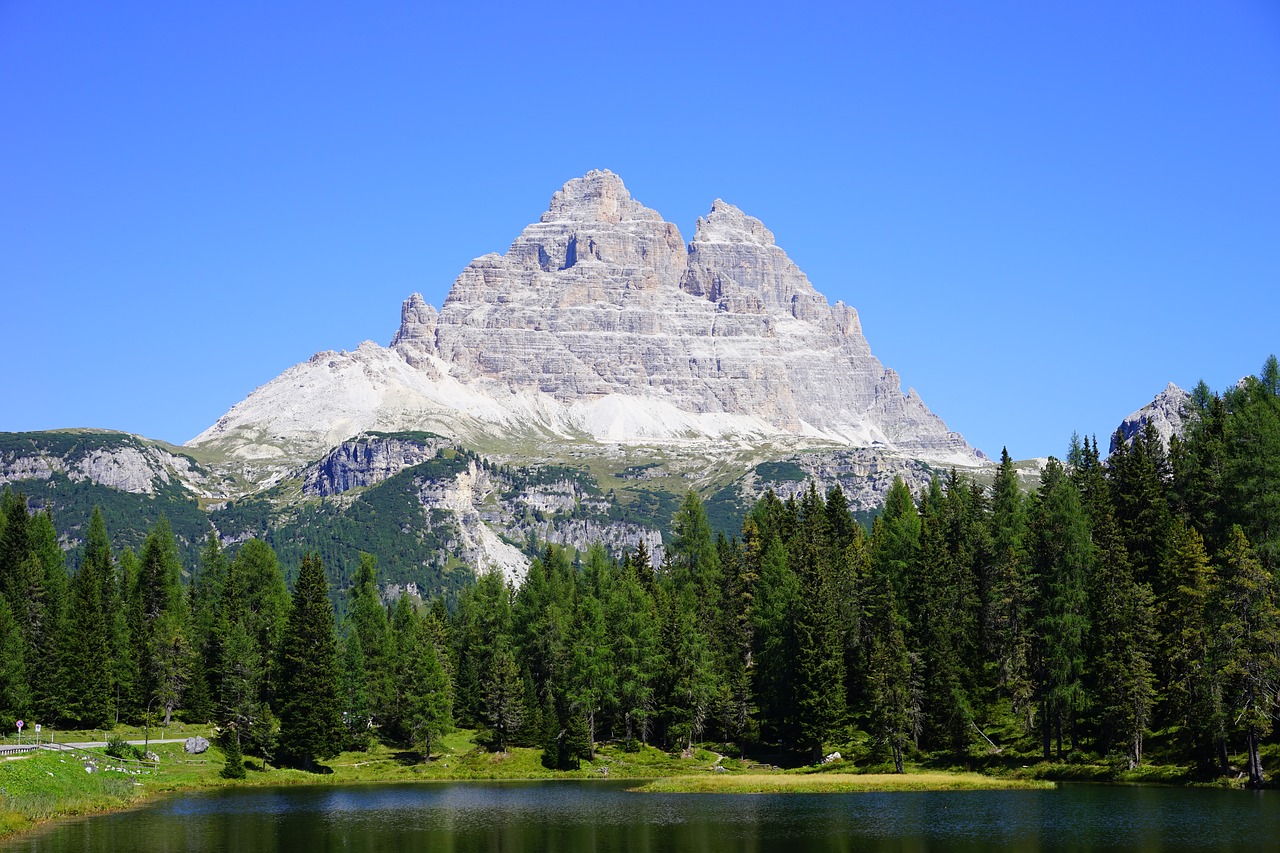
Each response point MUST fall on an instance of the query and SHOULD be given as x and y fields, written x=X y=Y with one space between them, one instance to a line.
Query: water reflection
x=568 y=817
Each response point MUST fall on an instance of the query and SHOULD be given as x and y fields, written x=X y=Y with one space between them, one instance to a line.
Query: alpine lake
x=576 y=816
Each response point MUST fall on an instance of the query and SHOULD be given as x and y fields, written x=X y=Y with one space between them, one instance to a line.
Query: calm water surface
x=569 y=817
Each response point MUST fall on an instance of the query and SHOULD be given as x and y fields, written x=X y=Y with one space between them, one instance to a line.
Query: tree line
x=1122 y=611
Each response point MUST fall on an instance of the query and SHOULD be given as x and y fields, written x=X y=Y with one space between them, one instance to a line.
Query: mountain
x=601 y=325
x=571 y=391
x=1167 y=412
x=132 y=479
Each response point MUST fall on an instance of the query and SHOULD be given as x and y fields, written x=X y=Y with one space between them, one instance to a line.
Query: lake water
x=569 y=817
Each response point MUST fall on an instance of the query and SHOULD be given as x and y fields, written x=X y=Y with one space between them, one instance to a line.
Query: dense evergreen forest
x=1123 y=612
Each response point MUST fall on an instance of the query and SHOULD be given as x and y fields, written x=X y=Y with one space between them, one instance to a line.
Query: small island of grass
x=833 y=783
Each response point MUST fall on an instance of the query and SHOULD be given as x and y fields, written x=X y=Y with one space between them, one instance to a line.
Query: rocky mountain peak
x=598 y=196
x=1167 y=412
x=417 y=323
x=728 y=224
x=601 y=323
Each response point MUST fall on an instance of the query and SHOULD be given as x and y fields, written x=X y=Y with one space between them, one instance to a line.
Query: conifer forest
x=1123 y=610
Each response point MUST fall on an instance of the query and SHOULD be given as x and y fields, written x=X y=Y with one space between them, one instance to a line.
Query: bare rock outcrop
x=599 y=323
x=1168 y=413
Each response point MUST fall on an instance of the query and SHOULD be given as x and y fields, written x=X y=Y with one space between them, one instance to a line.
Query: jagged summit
x=727 y=224
x=1167 y=412
x=600 y=323
x=598 y=196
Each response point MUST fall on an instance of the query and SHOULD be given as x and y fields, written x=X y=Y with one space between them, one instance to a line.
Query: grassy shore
x=833 y=783
x=44 y=786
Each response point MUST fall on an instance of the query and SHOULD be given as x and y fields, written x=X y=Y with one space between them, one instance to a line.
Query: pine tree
x=428 y=709
x=369 y=624
x=1139 y=476
x=552 y=733
x=49 y=670
x=633 y=621
x=1007 y=592
x=162 y=631
x=206 y=595
x=819 y=661
x=1124 y=642
x=1185 y=643
x=1248 y=637
x=942 y=607
x=1252 y=463
x=89 y=648
x=1199 y=461
x=692 y=668
x=238 y=708
x=310 y=719
x=15 y=693
x=503 y=696
x=693 y=552
x=259 y=597
x=1064 y=560
x=894 y=710
x=591 y=687
x=126 y=634
x=22 y=579
x=233 y=767
x=773 y=620
x=357 y=715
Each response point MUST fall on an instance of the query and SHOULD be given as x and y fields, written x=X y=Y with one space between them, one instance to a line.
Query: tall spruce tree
x=1123 y=644
x=819 y=660
x=1184 y=647
x=1252 y=445
x=369 y=625
x=503 y=696
x=310 y=719
x=1248 y=637
x=239 y=710
x=773 y=620
x=893 y=703
x=1064 y=560
x=632 y=619
x=592 y=685
x=161 y=635
x=92 y=702
x=1007 y=594
x=357 y=709
x=15 y=692
x=50 y=671
x=261 y=599
x=428 y=714
x=206 y=594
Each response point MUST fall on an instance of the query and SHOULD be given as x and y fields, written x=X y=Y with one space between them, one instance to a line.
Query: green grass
x=43 y=786
x=833 y=783
x=47 y=785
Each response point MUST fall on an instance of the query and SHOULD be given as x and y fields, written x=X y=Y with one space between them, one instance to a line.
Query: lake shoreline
x=56 y=789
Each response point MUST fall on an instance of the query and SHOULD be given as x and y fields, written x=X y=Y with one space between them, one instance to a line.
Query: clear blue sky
x=1043 y=211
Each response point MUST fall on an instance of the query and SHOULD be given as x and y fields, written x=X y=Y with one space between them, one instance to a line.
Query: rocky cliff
x=601 y=324
x=1167 y=413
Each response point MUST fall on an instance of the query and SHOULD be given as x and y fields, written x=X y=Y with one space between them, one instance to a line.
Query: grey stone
x=1168 y=413
x=600 y=324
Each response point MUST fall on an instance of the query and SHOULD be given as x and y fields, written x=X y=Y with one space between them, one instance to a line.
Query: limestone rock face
x=115 y=460
x=600 y=324
x=1167 y=412
x=363 y=462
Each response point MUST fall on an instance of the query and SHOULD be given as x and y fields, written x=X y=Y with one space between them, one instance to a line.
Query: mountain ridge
x=600 y=324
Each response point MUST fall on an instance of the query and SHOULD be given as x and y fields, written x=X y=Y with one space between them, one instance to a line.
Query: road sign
x=20 y=724
x=37 y=728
